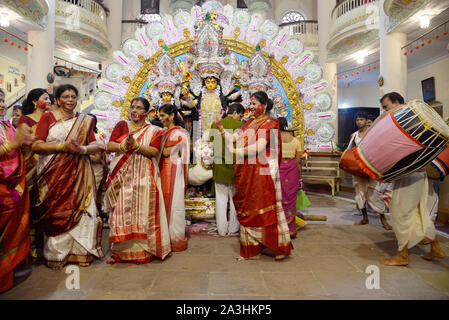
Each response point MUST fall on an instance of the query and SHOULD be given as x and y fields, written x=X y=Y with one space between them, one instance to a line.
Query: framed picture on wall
x=22 y=78
x=16 y=82
x=2 y=78
x=8 y=87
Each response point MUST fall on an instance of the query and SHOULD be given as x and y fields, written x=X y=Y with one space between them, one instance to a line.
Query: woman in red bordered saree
x=14 y=199
x=66 y=207
x=174 y=166
x=258 y=194
x=138 y=221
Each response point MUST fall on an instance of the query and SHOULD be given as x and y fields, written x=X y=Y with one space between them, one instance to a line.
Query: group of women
x=47 y=181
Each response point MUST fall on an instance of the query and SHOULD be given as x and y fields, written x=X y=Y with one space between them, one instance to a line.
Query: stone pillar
x=324 y=9
x=40 y=59
x=114 y=21
x=185 y=5
x=259 y=6
x=393 y=63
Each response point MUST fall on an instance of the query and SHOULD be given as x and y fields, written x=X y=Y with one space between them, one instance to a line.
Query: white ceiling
x=437 y=50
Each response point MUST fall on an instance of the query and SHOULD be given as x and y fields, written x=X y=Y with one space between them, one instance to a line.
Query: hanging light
x=4 y=19
x=424 y=21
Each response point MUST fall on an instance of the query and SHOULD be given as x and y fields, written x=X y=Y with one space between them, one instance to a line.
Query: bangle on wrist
x=135 y=145
x=122 y=147
x=83 y=149
x=61 y=147
x=7 y=147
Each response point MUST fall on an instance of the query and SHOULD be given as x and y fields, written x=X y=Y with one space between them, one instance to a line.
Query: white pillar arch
x=329 y=68
x=40 y=59
x=393 y=63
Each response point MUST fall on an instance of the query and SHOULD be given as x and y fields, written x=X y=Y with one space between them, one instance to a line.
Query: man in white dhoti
x=412 y=202
x=366 y=189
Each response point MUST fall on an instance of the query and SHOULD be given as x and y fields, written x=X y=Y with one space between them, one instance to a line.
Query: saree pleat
x=138 y=221
x=14 y=211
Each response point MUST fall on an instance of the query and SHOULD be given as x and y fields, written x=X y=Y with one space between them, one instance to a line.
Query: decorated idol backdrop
x=246 y=52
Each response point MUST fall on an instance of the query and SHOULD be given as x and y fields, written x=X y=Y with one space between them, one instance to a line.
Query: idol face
x=256 y=108
x=211 y=83
x=137 y=111
x=68 y=100
x=166 y=97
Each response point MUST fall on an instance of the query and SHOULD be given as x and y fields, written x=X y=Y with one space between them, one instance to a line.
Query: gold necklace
x=260 y=119
x=134 y=127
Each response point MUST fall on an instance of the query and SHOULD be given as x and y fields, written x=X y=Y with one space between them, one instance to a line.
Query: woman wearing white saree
x=66 y=207
x=174 y=165
x=138 y=221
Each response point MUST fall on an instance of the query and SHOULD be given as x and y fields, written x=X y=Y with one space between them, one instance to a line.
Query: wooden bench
x=323 y=166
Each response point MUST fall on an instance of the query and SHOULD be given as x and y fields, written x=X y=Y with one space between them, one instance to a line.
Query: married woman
x=258 y=196
x=34 y=106
x=138 y=221
x=14 y=199
x=66 y=207
x=174 y=165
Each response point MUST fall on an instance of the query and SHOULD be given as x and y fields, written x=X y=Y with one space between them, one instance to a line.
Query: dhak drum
x=438 y=169
x=402 y=141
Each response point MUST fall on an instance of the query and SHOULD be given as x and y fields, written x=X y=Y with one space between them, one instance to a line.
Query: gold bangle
x=62 y=147
x=7 y=147
x=135 y=145
x=122 y=147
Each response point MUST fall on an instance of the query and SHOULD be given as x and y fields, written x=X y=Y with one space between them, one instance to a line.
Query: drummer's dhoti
x=412 y=202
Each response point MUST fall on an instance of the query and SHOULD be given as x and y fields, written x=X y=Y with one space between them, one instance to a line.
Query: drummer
x=366 y=188
x=412 y=201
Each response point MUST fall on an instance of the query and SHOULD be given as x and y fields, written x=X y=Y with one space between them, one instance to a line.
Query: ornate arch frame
x=234 y=45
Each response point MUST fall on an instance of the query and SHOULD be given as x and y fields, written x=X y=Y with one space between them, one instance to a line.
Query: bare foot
x=397 y=260
x=111 y=261
x=280 y=257
x=435 y=252
x=56 y=268
x=426 y=241
x=384 y=222
x=234 y=234
x=240 y=258
x=84 y=264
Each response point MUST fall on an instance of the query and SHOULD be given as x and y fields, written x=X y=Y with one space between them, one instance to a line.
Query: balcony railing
x=306 y=31
x=89 y=5
x=351 y=14
x=301 y=27
x=87 y=12
x=345 y=6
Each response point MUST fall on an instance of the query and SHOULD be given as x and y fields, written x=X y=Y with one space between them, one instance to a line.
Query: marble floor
x=330 y=261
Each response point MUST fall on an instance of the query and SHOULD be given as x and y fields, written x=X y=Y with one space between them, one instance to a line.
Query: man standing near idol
x=223 y=170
